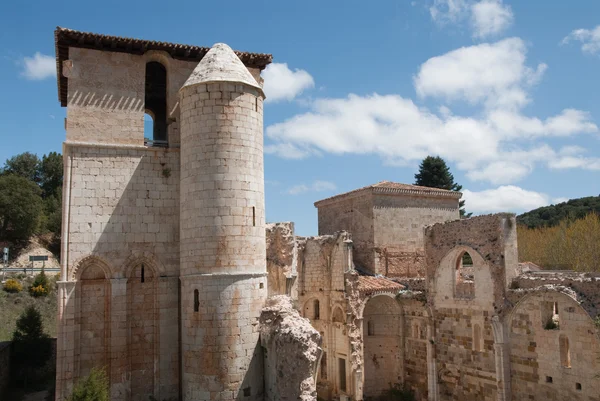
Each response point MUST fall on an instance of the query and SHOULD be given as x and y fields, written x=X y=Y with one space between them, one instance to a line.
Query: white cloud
x=590 y=39
x=39 y=67
x=499 y=145
x=507 y=198
x=281 y=83
x=559 y=200
x=494 y=74
x=487 y=17
x=490 y=17
x=316 y=186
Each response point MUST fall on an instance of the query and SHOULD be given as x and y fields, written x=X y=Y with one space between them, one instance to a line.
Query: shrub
x=94 y=387
x=12 y=285
x=40 y=286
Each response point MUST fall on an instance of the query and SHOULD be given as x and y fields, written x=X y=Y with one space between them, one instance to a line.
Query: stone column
x=502 y=356
x=119 y=358
x=65 y=344
x=432 y=382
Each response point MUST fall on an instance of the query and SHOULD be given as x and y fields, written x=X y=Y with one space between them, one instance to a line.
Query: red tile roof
x=65 y=38
x=370 y=284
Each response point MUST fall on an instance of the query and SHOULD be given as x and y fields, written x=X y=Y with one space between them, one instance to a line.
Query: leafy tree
x=434 y=173
x=51 y=174
x=20 y=207
x=31 y=346
x=26 y=165
x=550 y=216
x=94 y=387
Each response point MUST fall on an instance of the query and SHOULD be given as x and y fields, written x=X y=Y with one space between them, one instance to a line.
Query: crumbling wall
x=414 y=333
x=557 y=360
x=292 y=348
x=281 y=259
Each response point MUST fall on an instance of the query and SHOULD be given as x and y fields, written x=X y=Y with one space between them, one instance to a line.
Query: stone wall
x=282 y=256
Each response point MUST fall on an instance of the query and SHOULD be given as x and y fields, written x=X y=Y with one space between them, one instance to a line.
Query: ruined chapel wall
x=281 y=259
x=398 y=231
x=539 y=368
x=414 y=335
x=353 y=214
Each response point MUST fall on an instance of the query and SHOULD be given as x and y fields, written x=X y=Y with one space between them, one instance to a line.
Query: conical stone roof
x=221 y=64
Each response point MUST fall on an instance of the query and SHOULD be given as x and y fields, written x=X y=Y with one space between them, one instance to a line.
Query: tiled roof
x=370 y=284
x=389 y=187
x=65 y=38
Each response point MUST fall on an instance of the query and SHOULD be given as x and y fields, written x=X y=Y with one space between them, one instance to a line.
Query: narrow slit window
x=324 y=366
x=196 y=300
x=317 y=310
x=342 y=373
x=142 y=274
x=565 y=352
x=155 y=101
x=370 y=328
x=253 y=216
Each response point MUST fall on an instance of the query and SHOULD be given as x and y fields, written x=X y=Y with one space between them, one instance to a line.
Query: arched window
x=338 y=316
x=464 y=280
x=324 y=366
x=156 y=103
x=565 y=352
x=142 y=274
x=196 y=300
x=477 y=340
x=316 y=310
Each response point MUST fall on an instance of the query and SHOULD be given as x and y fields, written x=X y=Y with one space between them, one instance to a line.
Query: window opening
x=253 y=216
x=338 y=316
x=548 y=379
x=578 y=386
x=324 y=366
x=464 y=279
x=142 y=274
x=370 y=328
x=196 y=300
x=342 y=373
x=317 y=310
x=550 y=316
x=155 y=101
x=565 y=352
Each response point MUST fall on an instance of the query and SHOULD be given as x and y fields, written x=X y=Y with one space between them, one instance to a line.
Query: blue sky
x=505 y=91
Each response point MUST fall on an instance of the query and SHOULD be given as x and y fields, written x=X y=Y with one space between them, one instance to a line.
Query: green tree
x=93 y=387
x=434 y=173
x=51 y=174
x=31 y=347
x=26 y=165
x=20 y=207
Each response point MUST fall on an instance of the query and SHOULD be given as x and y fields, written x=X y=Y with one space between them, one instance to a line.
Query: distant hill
x=549 y=216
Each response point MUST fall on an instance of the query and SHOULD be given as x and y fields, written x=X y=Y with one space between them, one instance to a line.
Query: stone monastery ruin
x=172 y=281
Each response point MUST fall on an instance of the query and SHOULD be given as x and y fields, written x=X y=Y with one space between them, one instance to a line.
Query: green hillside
x=549 y=216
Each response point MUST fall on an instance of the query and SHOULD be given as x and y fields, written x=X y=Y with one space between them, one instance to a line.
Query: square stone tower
x=163 y=248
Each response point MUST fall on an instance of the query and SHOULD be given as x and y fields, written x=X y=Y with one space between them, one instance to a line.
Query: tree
x=20 y=207
x=31 y=346
x=51 y=174
x=93 y=387
x=434 y=173
x=25 y=165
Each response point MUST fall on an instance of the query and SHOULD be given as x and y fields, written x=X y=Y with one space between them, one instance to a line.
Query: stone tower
x=222 y=230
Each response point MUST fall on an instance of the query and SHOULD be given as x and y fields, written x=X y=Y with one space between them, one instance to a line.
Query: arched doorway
x=382 y=345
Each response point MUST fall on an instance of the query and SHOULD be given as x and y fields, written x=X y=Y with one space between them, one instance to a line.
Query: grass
x=12 y=305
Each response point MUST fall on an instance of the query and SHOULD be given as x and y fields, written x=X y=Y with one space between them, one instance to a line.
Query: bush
x=40 y=286
x=94 y=387
x=13 y=286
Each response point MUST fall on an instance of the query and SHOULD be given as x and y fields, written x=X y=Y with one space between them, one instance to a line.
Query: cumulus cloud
x=490 y=73
x=316 y=186
x=490 y=17
x=589 y=38
x=507 y=198
x=38 y=67
x=487 y=17
x=281 y=83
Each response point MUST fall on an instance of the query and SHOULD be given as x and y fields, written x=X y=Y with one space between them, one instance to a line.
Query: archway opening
x=155 y=101
x=464 y=286
x=382 y=345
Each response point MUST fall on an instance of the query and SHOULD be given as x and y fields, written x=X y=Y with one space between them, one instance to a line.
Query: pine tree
x=434 y=173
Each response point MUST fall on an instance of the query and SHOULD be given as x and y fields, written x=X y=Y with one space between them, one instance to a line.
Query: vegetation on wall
x=550 y=216
x=435 y=173
x=570 y=245
x=93 y=387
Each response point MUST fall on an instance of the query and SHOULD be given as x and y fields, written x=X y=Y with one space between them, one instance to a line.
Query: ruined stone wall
x=553 y=362
x=398 y=231
x=353 y=214
x=282 y=255
x=414 y=334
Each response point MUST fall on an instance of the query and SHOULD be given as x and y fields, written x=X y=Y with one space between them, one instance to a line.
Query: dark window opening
x=548 y=379
x=464 y=277
x=342 y=372
x=142 y=274
x=324 y=366
x=261 y=286
x=247 y=392
x=196 y=300
x=578 y=386
x=253 y=216
x=156 y=102
x=317 y=310
x=370 y=328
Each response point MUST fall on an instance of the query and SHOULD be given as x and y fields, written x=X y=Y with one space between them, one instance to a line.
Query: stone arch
x=90 y=260
x=337 y=315
x=382 y=349
x=142 y=325
x=447 y=287
x=159 y=56
x=312 y=309
x=147 y=258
